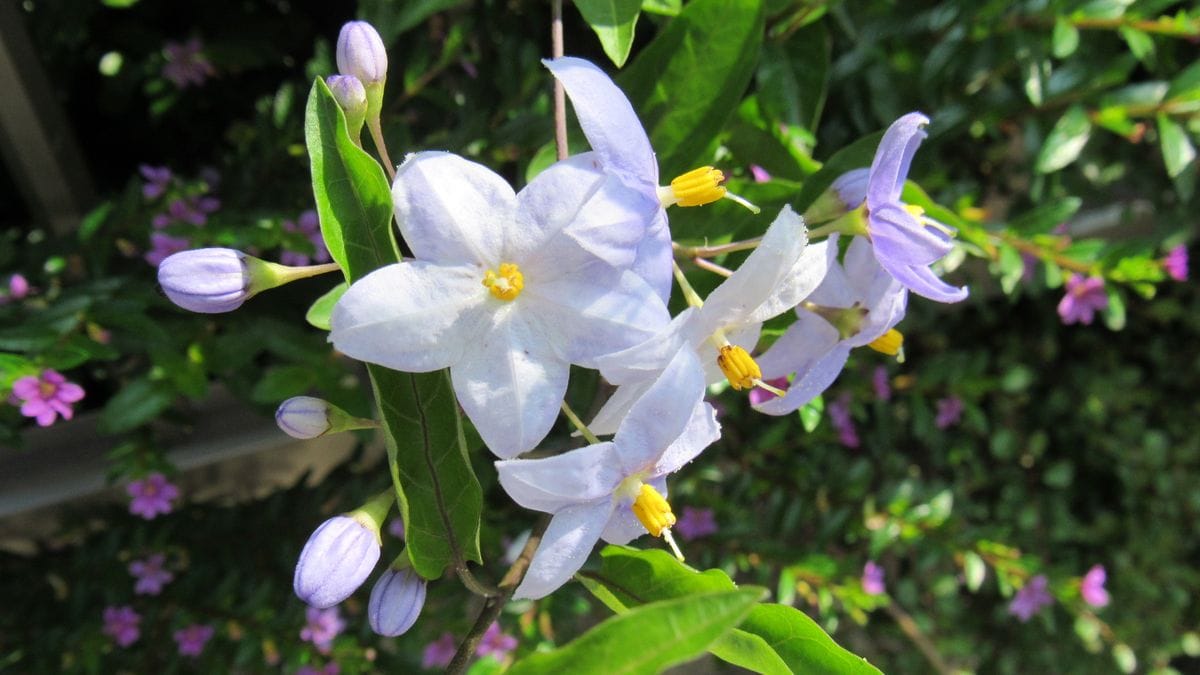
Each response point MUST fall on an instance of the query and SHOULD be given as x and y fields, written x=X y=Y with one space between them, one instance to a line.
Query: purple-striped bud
x=851 y=188
x=351 y=97
x=336 y=560
x=208 y=280
x=360 y=52
x=396 y=602
x=304 y=417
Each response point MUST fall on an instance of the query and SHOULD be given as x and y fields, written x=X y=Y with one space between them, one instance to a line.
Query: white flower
x=502 y=292
x=594 y=492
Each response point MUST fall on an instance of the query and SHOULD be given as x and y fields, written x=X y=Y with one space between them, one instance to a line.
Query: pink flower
x=760 y=174
x=46 y=396
x=191 y=640
x=1092 y=587
x=949 y=412
x=759 y=395
x=839 y=415
x=439 y=653
x=695 y=523
x=882 y=384
x=163 y=246
x=151 y=496
x=1030 y=600
x=158 y=179
x=18 y=288
x=323 y=625
x=186 y=64
x=1085 y=295
x=495 y=643
x=150 y=575
x=121 y=624
x=1176 y=263
x=872 y=579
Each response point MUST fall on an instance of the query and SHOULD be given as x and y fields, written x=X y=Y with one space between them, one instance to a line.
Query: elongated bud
x=360 y=52
x=308 y=417
x=340 y=554
x=215 y=280
x=351 y=96
x=396 y=599
x=848 y=192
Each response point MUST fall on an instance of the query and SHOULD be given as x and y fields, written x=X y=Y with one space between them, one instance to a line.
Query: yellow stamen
x=694 y=188
x=890 y=343
x=739 y=367
x=652 y=510
x=507 y=284
x=926 y=221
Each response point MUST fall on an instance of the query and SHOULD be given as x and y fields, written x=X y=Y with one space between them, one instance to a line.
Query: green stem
x=583 y=429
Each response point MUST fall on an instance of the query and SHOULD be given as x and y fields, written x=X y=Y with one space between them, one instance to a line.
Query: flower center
x=652 y=510
x=506 y=284
x=47 y=389
x=694 y=188
x=890 y=343
x=847 y=321
x=739 y=367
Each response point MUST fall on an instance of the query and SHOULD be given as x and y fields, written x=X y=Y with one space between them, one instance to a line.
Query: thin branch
x=923 y=643
x=560 y=96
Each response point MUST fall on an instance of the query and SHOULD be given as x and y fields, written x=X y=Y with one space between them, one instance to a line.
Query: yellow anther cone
x=889 y=343
x=652 y=510
x=505 y=284
x=739 y=367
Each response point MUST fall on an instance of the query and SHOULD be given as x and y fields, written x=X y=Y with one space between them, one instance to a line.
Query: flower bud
x=348 y=91
x=360 y=52
x=214 y=280
x=336 y=560
x=396 y=601
x=303 y=417
x=847 y=193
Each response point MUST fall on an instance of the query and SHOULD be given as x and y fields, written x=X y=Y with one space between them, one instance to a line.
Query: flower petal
x=701 y=431
x=808 y=273
x=565 y=547
x=654 y=257
x=511 y=383
x=645 y=360
x=753 y=284
x=614 y=410
x=414 y=316
x=452 y=210
x=609 y=122
x=922 y=281
x=898 y=236
x=893 y=158
x=660 y=415
x=801 y=345
x=553 y=483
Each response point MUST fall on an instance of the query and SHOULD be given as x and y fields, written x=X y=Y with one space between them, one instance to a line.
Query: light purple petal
x=565 y=547
x=701 y=431
x=645 y=360
x=551 y=484
x=661 y=414
x=617 y=407
x=922 y=281
x=899 y=237
x=654 y=256
x=893 y=158
x=807 y=274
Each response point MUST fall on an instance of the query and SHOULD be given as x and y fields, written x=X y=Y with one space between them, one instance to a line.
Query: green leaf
x=1065 y=39
x=974 y=569
x=318 y=314
x=663 y=7
x=801 y=643
x=1140 y=44
x=1012 y=267
x=647 y=639
x=811 y=412
x=392 y=18
x=439 y=496
x=1177 y=148
x=1186 y=85
x=1066 y=140
x=688 y=81
x=283 y=382
x=1114 y=314
x=137 y=403
x=1045 y=217
x=793 y=77
x=857 y=155
x=613 y=22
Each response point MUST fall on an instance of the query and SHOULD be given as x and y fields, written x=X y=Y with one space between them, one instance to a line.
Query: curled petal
x=893 y=158
x=898 y=236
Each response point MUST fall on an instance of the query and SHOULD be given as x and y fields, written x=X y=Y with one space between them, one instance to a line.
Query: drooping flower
x=1176 y=263
x=843 y=423
x=506 y=296
x=439 y=653
x=396 y=601
x=857 y=304
x=904 y=240
x=872 y=579
x=150 y=574
x=1084 y=297
x=186 y=63
x=949 y=412
x=881 y=383
x=162 y=246
x=121 y=624
x=321 y=627
x=496 y=643
x=191 y=640
x=695 y=523
x=158 y=179
x=1030 y=600
x=47 y=396
x=613 y=490
x=1092 y=587
x=151 y=496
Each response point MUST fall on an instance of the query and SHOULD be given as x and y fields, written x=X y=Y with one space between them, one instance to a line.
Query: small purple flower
x=439 y=653
x=323 y=625
x=1030 y=600
x=121 y=624
x=495 y=643
x=150 y=575
x=152 y=496
x=905 y=242
x=872 y=579
x=1176 y=263
x=44 y=397
x=839 y=415
x=1084 y=297
x=882 y=384
x=695 y=523
x=758 y=395
x=158 y=179
x=309 y=225
x=759 y=174
x=18 y=288
x=191 y=640
x=1092 y=587
x=337 y=558
x=186 y=64
x=162 y=246
x=949 y=412
x=331 y=668
x=396 y=528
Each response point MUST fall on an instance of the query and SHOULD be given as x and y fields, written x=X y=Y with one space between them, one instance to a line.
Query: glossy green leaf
x=614 y=22
x=318 y=313
x=1066 y=141
x=1177 y=148
x=687 y=82
x=811 y=412
x=647 y=639
x=663 y=7
x=137 y=403
x=793 y=77
x=439 y=496
x=1140 y=44
x=1065 y=39
x=1045 y=217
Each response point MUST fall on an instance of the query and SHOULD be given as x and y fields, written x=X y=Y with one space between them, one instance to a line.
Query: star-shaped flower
x=595 y=491
x=905 y=241
x=856 y=304
x=502 y=292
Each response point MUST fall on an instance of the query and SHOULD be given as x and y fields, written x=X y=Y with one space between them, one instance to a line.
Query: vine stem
x=560 y=95
x=923 y=643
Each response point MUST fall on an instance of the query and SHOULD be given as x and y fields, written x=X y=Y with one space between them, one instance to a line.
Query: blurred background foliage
x=1062 y=141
